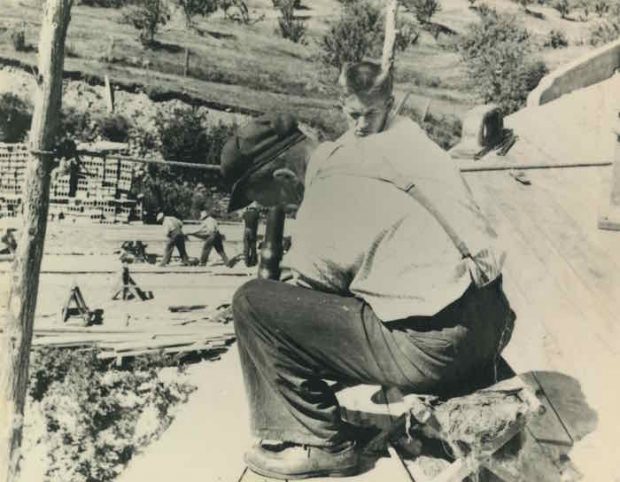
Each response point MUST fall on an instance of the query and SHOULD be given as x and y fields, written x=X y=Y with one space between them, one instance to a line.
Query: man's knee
x=245 y=299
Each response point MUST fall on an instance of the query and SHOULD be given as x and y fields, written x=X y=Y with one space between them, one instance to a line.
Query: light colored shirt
x=368 y=225
x=172 y=226
x=207 y=227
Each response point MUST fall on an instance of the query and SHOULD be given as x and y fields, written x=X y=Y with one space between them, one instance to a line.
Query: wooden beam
x=18 y=322
x=389 y=42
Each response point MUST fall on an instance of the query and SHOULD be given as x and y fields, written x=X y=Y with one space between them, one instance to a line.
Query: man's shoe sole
x=346 y=472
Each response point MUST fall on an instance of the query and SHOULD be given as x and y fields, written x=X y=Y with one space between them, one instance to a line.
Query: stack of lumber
x=175 y=331
x=118 y=343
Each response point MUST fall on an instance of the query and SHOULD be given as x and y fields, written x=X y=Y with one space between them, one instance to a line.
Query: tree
x=497 y=53
x=191 y=8
x=357 y=33
x=146 y=16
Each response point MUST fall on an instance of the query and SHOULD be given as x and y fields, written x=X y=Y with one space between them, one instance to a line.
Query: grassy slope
x=250 y=69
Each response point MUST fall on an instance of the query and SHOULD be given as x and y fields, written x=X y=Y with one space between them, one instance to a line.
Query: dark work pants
x=213 y=241
x=250 y=255
x=292 y=339
x=178 y=241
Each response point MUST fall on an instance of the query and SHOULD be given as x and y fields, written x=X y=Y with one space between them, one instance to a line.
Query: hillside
x=249 y=69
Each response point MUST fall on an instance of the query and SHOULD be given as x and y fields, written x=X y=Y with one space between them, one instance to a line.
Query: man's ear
x=284 y=174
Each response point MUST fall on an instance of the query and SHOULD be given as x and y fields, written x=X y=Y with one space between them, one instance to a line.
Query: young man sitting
x=395 y=279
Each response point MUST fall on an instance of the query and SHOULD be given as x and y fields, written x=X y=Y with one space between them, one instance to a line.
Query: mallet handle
x=271 y=253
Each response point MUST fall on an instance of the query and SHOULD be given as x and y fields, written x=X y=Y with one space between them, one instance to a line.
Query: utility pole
x=17 y=323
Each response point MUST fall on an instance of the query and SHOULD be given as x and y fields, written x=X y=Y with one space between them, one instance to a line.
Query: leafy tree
x=183 y=135
x=497 y=52
x=15 y=118
x=191 y=8
x=291 y=27
x=147 y=16
x=357 y=33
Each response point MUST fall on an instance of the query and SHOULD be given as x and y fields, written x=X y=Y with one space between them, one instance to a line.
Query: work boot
x=291 y=461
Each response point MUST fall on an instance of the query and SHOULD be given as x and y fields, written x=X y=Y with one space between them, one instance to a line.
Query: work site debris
x=204 y=336
x=474 y=431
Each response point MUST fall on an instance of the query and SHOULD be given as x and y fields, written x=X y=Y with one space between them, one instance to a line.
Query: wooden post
x=186 y=63
x=389 y=42
x=109 y=94
x=16 y=338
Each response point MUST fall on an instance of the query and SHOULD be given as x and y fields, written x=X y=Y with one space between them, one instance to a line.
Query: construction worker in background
x=173 y=228
x=9 y=243
x=209 y=231
x=394 y=278
x=251 y=217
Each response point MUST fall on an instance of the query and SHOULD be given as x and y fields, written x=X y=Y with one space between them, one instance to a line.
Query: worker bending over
x=173 y=228
x=395 y=277
x=209 y=231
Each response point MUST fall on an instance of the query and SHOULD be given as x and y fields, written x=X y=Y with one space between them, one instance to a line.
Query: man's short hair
x=365 y=80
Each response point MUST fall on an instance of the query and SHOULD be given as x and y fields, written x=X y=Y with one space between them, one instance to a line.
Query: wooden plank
x=568 y=402
x=546 y=427
x=545 y=265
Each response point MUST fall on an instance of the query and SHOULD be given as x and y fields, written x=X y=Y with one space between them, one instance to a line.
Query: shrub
x=77 y=124
x=524 y=3
x=114 y=128
x=191 y=8
x=406 y=35
x=146 y=16
x=556 y=39
x=605 y=31
x=97 y=417
x=357 y=33
x=562 y=6
x=496 y=52
x=240 y=11
x=18 y=38
x=15 y=118
x=423 y=9
x=601 y=7
x=444 y=130
x=291 y=27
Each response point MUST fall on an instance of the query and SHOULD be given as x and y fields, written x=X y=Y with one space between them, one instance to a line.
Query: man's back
x=357 y=234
